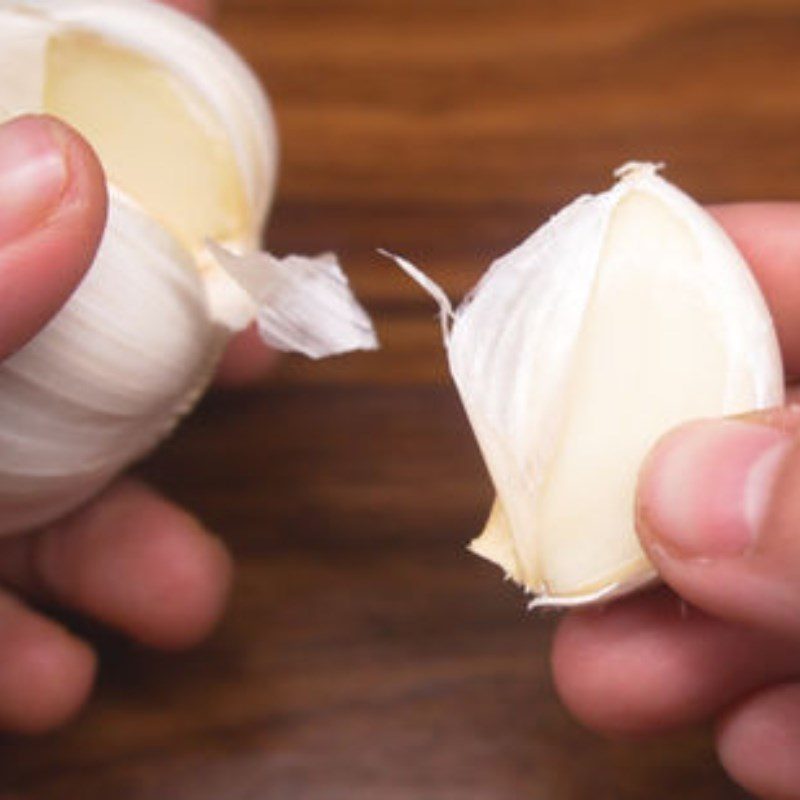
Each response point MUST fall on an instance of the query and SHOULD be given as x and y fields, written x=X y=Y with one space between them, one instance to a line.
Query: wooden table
x=365 y=654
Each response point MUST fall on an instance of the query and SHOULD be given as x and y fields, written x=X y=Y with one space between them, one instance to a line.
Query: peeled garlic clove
x=627 y=314
x=188 y=143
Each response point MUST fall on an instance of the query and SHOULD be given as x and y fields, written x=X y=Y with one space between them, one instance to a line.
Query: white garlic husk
x=188 y=142
x=628 y=313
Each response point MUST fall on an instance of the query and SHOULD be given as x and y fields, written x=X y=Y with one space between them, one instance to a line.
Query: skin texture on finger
x=131 y=560
x=648 y=664
x=46 y=673
x=693 y=518
x=53 y=242
x=759 y=742
x=768 y=234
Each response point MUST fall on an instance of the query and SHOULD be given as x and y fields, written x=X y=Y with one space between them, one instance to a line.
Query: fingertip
x=55 y=683
x=187 y=592
x=246 y=360
x=576 y=688
x=704 y=489
x=86 y=194
x=140 y=564
x=597 y=682
x=56 y=197
x=759 y=739
x=717 y=514
x=649 y=664
x=46 y=675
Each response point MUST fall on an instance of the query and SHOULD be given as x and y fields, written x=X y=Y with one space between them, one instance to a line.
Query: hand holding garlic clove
x=628 y=313
x=719 y=511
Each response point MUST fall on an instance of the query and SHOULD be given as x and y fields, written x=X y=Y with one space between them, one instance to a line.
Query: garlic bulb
x=188 y=143
x=628 y=313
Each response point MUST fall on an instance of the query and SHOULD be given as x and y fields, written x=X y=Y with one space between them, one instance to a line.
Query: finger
x=203 y=9
x=52 y=213
x=758 y=743
x=45 y=672
x=768 y=234
x=719 y=515
x=649 y=663
x=131 y=560
x=246 y=360
x=793 y=395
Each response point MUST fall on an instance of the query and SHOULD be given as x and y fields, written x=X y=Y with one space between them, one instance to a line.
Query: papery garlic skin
x=629 y=313
x=108 y=377
x=137 y=343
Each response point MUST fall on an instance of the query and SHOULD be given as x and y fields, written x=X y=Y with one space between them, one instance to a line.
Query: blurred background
x=366 y=654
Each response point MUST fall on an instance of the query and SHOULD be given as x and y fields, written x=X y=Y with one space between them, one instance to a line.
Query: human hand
x=130 y=559
x=719 y=515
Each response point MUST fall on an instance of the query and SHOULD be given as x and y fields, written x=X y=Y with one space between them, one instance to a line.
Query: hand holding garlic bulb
x=188 y=144
x=186 y=138
x=116 y=559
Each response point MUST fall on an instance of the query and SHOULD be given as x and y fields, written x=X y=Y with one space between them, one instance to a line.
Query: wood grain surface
x=365 y=653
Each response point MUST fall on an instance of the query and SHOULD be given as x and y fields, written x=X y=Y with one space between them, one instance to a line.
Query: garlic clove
x=184 y=171
x=628 y=313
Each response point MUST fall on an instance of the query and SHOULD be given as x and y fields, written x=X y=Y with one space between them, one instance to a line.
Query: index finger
x=768 y=235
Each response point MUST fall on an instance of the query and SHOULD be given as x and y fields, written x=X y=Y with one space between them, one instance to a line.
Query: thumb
x=719 y=516
x=52 y=214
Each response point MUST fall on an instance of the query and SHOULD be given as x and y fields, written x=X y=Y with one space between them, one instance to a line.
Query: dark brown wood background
x=365 y=654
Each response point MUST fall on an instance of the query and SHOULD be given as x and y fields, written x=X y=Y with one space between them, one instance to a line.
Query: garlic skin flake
x=189 y=146
x=628 y=313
